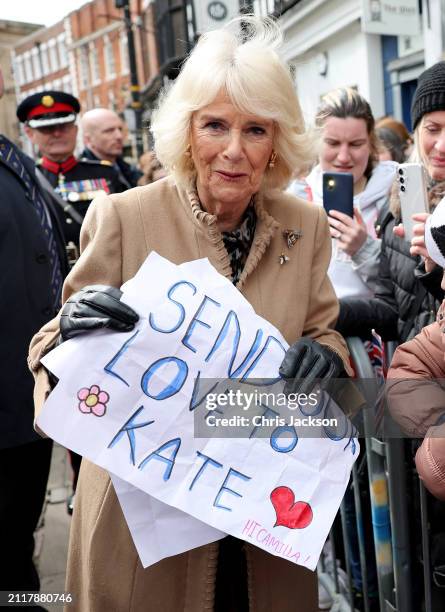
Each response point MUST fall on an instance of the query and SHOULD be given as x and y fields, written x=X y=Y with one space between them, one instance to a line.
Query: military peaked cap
x=48 y=108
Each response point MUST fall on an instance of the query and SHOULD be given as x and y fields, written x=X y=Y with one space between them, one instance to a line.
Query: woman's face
x=230 y=151
x=432 y=143
x=346 y=146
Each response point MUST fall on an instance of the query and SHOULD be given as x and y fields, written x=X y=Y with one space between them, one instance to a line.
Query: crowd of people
x=235 y=177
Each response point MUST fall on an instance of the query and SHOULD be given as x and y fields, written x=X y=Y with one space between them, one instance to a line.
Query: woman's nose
x=234 y=147
x=440 y=143
x=344 y=154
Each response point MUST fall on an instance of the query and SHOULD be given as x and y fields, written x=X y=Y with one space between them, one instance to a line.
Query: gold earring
x=188 y=151
x=272 y=160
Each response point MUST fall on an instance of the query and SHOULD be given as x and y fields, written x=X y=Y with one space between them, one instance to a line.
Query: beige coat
x=104 y=571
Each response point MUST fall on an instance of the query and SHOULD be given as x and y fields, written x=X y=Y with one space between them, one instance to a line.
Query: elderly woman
x=230 y=133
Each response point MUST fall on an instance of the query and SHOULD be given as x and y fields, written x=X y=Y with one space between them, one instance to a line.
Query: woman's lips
x=230 y=176
x=438 y=161
x=344 y=168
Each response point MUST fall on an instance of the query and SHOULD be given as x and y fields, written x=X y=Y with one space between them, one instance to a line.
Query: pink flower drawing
x=93 y=400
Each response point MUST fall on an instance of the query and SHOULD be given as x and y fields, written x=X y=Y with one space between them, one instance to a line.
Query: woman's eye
x=257 y=130
x=431 y=129
x=214 y=125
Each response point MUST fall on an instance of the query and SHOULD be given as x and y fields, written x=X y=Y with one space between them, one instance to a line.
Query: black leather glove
x=95 y=307
x=306 y=363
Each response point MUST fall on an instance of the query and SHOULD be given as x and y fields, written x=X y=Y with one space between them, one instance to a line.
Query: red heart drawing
x=291 y=514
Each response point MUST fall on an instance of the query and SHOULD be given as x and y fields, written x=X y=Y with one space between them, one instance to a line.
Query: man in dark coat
x=49 y=118
x=33 y=266
x=103 y=136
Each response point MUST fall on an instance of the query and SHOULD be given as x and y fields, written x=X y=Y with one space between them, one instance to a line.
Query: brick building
x=41 y=61
x=100 y=49
x=10 y=33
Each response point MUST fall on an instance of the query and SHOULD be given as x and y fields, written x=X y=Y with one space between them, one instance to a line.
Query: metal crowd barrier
x=391 y=525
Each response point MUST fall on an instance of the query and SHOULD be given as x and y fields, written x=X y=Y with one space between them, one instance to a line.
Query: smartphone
x=338 y=190
x=413 y=194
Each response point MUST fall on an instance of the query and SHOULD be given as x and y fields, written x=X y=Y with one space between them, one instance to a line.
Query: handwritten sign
x=127 y=403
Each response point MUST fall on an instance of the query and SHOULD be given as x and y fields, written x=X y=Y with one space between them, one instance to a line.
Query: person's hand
x=350 y=232
x=95 y=307
x=399 y=230
x=306 y=363
x=418 y=246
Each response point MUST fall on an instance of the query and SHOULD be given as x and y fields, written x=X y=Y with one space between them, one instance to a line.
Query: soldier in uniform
x=49 y=118
x=50 y=124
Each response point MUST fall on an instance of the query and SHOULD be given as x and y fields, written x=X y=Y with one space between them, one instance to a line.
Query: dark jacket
x=26 y=302
x=128 y=174
x=406 y=299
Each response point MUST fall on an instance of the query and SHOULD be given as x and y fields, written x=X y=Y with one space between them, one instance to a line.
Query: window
x=175 y=32
x=18 y=70
x=124 y=52
x=53 y=58
x=94 y=64
x=110 y=66
x=28 y=67
x=44 y=58
x=66 y=84
x=36 y=63
x=63 y=55
x=84 y=76
x=262 y=8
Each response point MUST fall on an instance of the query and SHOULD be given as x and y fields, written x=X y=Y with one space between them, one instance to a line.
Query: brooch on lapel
x=291 y=237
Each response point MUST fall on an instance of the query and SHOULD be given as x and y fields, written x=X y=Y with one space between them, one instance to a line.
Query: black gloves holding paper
x=96 y=307
x=306 y=363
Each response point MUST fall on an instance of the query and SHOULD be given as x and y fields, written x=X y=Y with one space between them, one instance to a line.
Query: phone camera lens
x=402 y=180
x=400 y=170
x=402 y=188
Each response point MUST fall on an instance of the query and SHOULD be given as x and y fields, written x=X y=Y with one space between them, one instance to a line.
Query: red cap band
x=57 y=107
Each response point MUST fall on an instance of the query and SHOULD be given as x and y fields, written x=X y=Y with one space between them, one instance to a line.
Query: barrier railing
x=391 y=526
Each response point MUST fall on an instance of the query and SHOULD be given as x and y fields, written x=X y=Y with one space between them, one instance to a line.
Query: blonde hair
x=347 y=102
x=241 y=60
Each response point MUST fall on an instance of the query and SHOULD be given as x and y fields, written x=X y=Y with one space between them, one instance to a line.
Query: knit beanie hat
x=435 y=234
x=430 y=93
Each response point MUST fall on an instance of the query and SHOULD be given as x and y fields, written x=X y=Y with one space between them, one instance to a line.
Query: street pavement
x=52 y=535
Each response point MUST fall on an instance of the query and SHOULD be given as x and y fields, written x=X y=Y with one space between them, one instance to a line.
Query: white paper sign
x=128 y=401
x=158 y=530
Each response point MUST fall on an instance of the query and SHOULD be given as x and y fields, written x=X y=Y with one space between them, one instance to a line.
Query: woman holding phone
x=408 y=292
x=349 y=145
